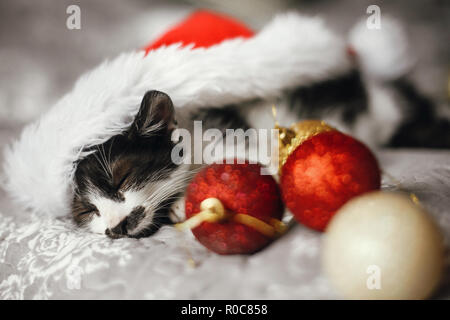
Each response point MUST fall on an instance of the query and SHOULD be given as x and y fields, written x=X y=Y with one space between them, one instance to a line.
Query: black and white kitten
x=126 y=186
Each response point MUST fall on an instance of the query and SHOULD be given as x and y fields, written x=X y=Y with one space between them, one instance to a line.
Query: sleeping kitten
x=126 y=186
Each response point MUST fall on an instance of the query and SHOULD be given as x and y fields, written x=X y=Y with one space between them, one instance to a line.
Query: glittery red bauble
x=242 y=189
x=323 y=173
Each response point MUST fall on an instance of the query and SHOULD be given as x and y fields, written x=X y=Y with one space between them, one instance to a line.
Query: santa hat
x=382 y=54
x=202 y=29
x=207 y=60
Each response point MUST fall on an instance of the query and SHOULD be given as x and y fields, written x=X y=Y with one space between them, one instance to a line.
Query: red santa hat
x=202 y=29
x=207 y=60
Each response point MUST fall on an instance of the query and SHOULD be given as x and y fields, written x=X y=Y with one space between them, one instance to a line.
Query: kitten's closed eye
x=126 y=185
x=89 y=211
x=83 y=212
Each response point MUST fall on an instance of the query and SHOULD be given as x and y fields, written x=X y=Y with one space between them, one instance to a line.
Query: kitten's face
x=126 y=185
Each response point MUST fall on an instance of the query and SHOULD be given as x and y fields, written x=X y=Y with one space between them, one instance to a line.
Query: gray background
x=40 y=58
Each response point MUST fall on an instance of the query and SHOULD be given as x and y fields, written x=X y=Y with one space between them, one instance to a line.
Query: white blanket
x=49 y=258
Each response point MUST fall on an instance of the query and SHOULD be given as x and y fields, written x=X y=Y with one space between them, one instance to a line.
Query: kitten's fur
x=126 y=186
x=122 y=186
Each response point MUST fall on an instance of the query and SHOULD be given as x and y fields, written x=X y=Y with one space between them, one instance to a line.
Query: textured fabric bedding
x=48 y=258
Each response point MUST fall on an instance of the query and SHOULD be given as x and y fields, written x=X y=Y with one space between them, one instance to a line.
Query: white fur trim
x=383 y=117
x=292 y=50
x=382 y=53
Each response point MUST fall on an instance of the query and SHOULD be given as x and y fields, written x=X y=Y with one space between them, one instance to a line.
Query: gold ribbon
x=212 y=210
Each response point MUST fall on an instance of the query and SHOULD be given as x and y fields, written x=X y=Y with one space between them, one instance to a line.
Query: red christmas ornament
x=323 y=170
x=232 y=208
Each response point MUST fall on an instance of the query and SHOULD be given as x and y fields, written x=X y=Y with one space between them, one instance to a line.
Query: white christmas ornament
x=383 y=246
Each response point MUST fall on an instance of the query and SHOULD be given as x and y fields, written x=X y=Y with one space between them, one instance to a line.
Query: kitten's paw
x=176 y=212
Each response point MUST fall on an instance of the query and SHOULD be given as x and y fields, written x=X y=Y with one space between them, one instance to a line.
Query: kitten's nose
x=118 y=231
x=112 y=235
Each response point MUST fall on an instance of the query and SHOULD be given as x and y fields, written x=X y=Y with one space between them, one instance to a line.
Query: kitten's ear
x=156 y=115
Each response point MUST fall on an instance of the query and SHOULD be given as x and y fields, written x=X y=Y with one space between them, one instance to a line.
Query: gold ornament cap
x=290 y=138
